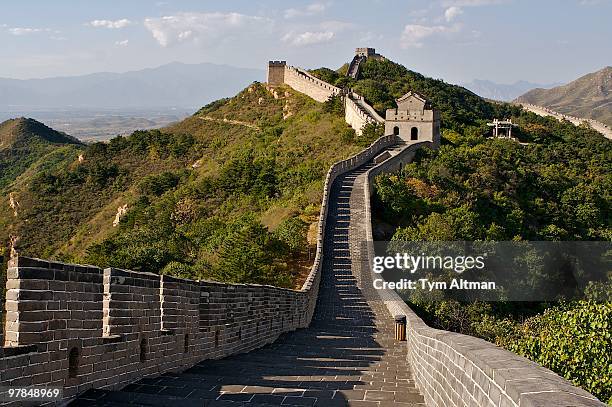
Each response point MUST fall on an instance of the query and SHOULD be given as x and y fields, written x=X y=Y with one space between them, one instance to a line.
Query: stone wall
x=354 y=115
x=602 y=128
x=307 y=84
x=357 y=113
x=452 y=369
x=276 y=72
x=81 y=327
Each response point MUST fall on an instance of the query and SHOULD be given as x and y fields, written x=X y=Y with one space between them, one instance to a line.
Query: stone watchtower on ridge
x=413 y=120
x=276 y=72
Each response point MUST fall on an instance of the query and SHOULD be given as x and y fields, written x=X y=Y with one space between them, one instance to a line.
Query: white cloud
x=452 y=12
x=25 y=30
x=123 y=43
x=124 y=22
x=310 y=10
x=590 y=2
x=415 y=34
x=182 y=27
x=308 y=37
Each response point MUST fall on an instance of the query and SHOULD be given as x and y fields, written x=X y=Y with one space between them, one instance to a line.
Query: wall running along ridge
x=124 y=325
x=453 y=370
x=598 y=126
x=307 y=84
x=358 y=113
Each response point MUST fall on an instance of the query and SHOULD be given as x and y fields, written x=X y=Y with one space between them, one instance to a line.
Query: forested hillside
x=229 y=193
x=25 y=141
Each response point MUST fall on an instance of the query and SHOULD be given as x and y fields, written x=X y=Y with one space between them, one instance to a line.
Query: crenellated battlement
x=82 y=327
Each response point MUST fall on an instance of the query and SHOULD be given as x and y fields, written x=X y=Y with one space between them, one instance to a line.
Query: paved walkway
x=347 y=357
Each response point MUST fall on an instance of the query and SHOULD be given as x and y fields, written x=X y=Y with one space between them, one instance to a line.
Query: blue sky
x=456 y=40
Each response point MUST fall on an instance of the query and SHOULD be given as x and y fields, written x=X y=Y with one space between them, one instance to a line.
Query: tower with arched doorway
x=414 y=120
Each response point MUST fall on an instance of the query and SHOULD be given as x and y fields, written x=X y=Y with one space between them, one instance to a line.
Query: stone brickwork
x=455 y=370
x=307 y=84
x=358 y=113
x=82 y=327
x=414 y=120
x=276 y=72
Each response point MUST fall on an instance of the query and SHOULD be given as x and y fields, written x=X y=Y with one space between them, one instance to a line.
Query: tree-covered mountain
x=24 y=142
x=589 y=96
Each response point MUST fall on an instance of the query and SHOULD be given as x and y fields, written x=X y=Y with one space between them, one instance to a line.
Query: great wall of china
x=543 y=111
x=155 y=340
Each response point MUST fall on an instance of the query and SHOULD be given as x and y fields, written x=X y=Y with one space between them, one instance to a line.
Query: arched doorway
x=396 y=131
x=414 y=133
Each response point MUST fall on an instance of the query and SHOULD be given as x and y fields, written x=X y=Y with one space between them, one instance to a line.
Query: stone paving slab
x=347 y=357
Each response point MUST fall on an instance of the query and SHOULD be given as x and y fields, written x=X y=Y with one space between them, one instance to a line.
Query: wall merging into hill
x=357 y=110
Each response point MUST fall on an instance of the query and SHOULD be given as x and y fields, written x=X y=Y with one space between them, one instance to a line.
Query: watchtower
x=276 y=72
x=365 y=52
x=414 y=119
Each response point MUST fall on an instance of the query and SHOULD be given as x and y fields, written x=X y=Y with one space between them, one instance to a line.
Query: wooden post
x=400 y=327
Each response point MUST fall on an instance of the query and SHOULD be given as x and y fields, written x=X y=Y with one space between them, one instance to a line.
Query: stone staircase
x=353 y=70
x=347 y=357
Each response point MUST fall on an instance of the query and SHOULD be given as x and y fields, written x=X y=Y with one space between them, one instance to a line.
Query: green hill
x=241 y=175
x=25 y=141
x=232 y=192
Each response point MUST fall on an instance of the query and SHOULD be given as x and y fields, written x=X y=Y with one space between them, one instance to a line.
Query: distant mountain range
x=505 y=92
x=171 y=85
x=589 y=96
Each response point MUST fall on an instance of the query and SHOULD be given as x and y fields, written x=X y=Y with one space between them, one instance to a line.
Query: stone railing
x=366 y=108
x=452 y=369
x=357 y=112
x=309 y=85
